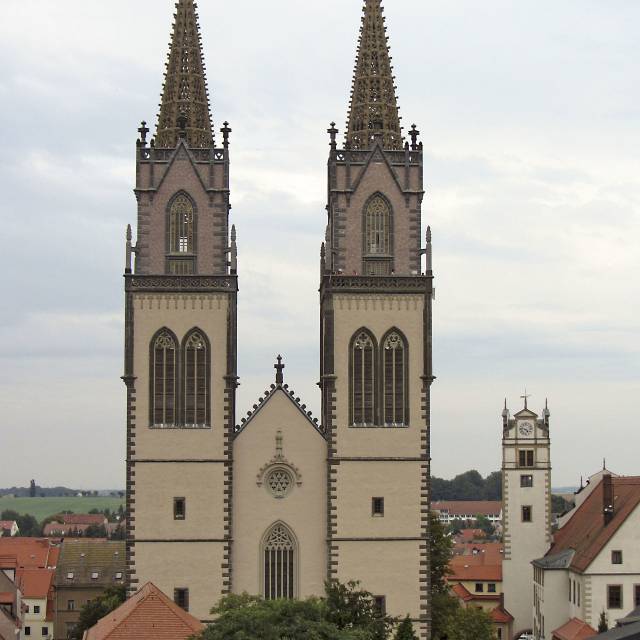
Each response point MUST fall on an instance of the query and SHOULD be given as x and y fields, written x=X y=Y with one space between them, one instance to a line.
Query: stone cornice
x=181 y=284
x=376 y=284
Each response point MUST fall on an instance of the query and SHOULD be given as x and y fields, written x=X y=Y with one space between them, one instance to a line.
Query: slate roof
x=575 y=629
x=586 y=532
x=148 y=615
x=290 y=393
x=83 y=557
x=626 y=632
x=560 y=560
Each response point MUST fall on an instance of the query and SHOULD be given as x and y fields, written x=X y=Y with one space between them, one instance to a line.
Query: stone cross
x=279 y=367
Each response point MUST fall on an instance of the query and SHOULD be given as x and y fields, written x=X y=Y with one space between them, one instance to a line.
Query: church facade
x=279 y=503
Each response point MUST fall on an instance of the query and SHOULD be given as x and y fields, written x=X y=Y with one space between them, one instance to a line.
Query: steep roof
x=500 y=615
x=184 y=94
x=30 y=552
x=84 y=557
x=82 y=518
x=373 y=108
x=35 y=583
x=476 y=567
x=586 y=533
x=148 y=615
x=575 y=629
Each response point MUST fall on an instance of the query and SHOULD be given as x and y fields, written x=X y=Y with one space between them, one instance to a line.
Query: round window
x=279 y=482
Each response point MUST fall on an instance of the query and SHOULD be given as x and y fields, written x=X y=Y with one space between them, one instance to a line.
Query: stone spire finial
x=127 y=260
x=279 y=367
x=373 y=109
x=233 y=251
x=184 y=95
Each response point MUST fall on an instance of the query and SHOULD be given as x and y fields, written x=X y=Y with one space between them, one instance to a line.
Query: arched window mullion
x=394 y=373
x=279 y=551
x=196 y=379
x=163 y=371
x=362 y=379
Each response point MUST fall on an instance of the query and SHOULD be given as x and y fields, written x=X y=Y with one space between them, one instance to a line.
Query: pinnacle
x=373 y=108
x=184 y=92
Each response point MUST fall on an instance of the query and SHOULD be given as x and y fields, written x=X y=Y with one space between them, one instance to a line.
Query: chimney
x=607 y=498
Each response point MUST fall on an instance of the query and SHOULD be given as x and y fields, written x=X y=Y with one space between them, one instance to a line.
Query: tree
x=482 y=522
x=405 y=631
x=603 y=624
x=27 y=524
x=97 y=609
x=32 y=489
x=493 y=486
x=95 y=531
x=471 y=624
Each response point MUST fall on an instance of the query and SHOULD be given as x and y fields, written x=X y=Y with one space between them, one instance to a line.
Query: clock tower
x=526 y=507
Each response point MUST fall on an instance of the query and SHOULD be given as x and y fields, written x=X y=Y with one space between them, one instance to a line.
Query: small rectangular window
x=525 y=457
x=377 y=506
x=71 y=605
x=45 y=631
x=526 y=481
x=94 y=575
x=27 y=631
x=36 y=608
x=181 y=598
x=616 y=557
x=636 y=595
x=479 y=587
x=70 y=575
x=119 y=575
x=380 y=605
x=527 y=513
x=491 y=587
x=179 y=508
x=614 y=596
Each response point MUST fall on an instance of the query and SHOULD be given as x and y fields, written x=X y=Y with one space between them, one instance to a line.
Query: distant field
x=40 y=508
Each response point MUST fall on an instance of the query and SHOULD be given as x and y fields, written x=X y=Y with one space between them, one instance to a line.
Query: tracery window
x=279 y=556
x=362 y=378
x=164 y=353
x=377 y=222
x=195 y=380
x=279 y=482
x=394 y=380
x=181 y=217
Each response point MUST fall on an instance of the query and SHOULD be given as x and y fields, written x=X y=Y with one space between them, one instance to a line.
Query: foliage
x=559 y=504
x=603 y=623
x=41 y=508
x=482 y=522
x=405 y=631
x=345 y=613
x=32 y=489
x=27 y=524
x=98 y=608
x=95 y=531
x=468 y=486
x=444 y=611
x=470 y=624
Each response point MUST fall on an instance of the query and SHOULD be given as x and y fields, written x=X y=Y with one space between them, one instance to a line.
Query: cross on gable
x=279 y=367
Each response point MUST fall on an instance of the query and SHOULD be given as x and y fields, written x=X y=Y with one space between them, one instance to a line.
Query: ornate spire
x=185 y=100
x=373 y=109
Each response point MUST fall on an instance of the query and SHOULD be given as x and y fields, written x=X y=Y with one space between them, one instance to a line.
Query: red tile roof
x=493 y=552
x=35 y=583
x=462 y=592
x=467 y=535
x=7 y=524
x=469 y=507
x=482 y=566
x=586 y=532
x=82 y=518
x=30 y=552
x=500 y=615
x=6 y=597
x=148 y=615
x=574 y=630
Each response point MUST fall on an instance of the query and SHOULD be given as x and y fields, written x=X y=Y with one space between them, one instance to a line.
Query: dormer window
x=70 y=575
x=94 y=575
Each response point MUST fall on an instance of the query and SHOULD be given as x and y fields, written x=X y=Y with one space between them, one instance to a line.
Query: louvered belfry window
x=394 y=380
x=163 y=371
x=279 y=563
x=196 y=380
x=363 y=379
x=181 y=225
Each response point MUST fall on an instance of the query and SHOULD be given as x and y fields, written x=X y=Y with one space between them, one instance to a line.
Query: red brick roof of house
x=575 y=629
x=148 y=615
x=478 y=562
x=468 y=535
x=586 y=533
x=493 y=552
x=7 y=524
x=67 y=530
x=82 y=518
x=500 y=615
x=469 y=507
x=35 y=583
x=30 y=552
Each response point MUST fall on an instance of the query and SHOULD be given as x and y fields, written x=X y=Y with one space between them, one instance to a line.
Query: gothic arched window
x=279 y=552
x=394 y=379
x=377 y=240
x=164 y=367
x=181 y=218
x=195 y=379
x=362 y=378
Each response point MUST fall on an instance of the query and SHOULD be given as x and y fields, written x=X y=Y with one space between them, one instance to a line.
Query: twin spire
x=184 y=110
x=373 y=109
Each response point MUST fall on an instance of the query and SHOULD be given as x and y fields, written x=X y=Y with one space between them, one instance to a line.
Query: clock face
x=525 y=428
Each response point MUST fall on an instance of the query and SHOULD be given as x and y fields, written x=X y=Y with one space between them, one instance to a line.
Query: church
x=277 y=503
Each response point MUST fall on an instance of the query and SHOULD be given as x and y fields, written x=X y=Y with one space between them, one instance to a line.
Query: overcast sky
x=530 y=115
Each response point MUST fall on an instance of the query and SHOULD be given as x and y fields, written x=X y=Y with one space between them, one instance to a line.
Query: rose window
x=279 y=482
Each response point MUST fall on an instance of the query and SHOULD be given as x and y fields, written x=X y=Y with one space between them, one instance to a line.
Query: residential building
x=148 y=615
x=593 y=565
x=526 y=500
x=281 y=502
x=85 y=569
x=8 y=528
x=36 y=586
x=467 y=510
x=75 y=524
x=10 y=601
x=475 y=579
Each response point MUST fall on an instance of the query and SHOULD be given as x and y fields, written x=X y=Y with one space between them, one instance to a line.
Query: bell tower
x=376 y=293
x=180 y=342
x=526 y=506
